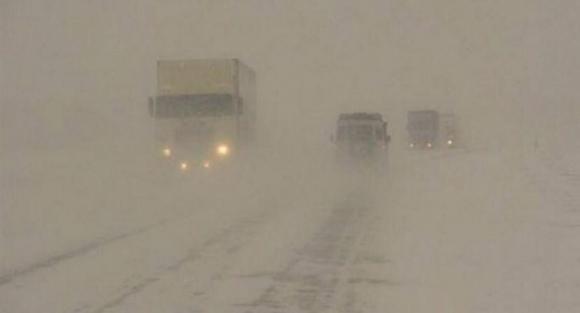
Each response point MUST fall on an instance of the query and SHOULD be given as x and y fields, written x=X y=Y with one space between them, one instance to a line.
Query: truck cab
x=361 y=136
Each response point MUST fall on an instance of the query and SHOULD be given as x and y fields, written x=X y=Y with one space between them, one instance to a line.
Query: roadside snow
x=445 y=231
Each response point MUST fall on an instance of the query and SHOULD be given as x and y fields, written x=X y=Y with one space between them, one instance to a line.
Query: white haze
x=76 y=141
x=482 y=60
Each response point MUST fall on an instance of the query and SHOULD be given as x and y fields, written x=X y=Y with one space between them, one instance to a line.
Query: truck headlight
x=223 y=150
x=183 y=166
x=166 y=152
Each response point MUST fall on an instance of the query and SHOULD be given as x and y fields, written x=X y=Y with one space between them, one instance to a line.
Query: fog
x=82 y=189
x=482 y=60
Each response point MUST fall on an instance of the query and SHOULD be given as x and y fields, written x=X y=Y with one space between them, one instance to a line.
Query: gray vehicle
x=423 y=129
x=361 y=136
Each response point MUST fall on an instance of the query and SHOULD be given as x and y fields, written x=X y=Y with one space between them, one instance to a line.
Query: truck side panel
x=185 y=77
x=247 y=92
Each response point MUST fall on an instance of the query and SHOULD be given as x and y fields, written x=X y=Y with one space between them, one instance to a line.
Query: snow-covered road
x=451 y=231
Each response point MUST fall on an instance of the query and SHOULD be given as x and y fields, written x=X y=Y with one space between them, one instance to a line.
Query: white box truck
x=204 y=110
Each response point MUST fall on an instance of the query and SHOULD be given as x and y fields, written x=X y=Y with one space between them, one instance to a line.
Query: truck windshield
x=355 y=133
x=193 y=105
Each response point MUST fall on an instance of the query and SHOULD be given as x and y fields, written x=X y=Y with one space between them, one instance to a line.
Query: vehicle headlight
x=166 y=152
x=223 y=150
x=183 y=166
x=429 y=145
x=206 y=164
x=411 y=145
x=450 y=142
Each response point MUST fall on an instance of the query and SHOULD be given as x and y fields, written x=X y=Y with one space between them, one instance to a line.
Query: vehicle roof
x=360 y=116
x=423 y=112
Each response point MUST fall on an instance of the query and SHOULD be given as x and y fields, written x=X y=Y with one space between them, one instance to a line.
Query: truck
x=449 y=130
x=423 y=129
x=361 y=136
x=204 y=111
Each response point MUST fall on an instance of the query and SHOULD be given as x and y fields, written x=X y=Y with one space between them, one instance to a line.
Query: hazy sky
x=66 y=60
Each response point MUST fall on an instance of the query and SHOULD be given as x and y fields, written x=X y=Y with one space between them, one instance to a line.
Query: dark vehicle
x=423 y=129
x=361 y=136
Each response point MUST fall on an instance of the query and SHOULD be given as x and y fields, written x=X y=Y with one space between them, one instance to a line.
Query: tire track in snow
x=317 y=278
x=230 y=238
x=83 y=250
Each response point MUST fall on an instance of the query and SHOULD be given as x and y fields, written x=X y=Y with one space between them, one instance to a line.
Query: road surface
x=441 y=232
